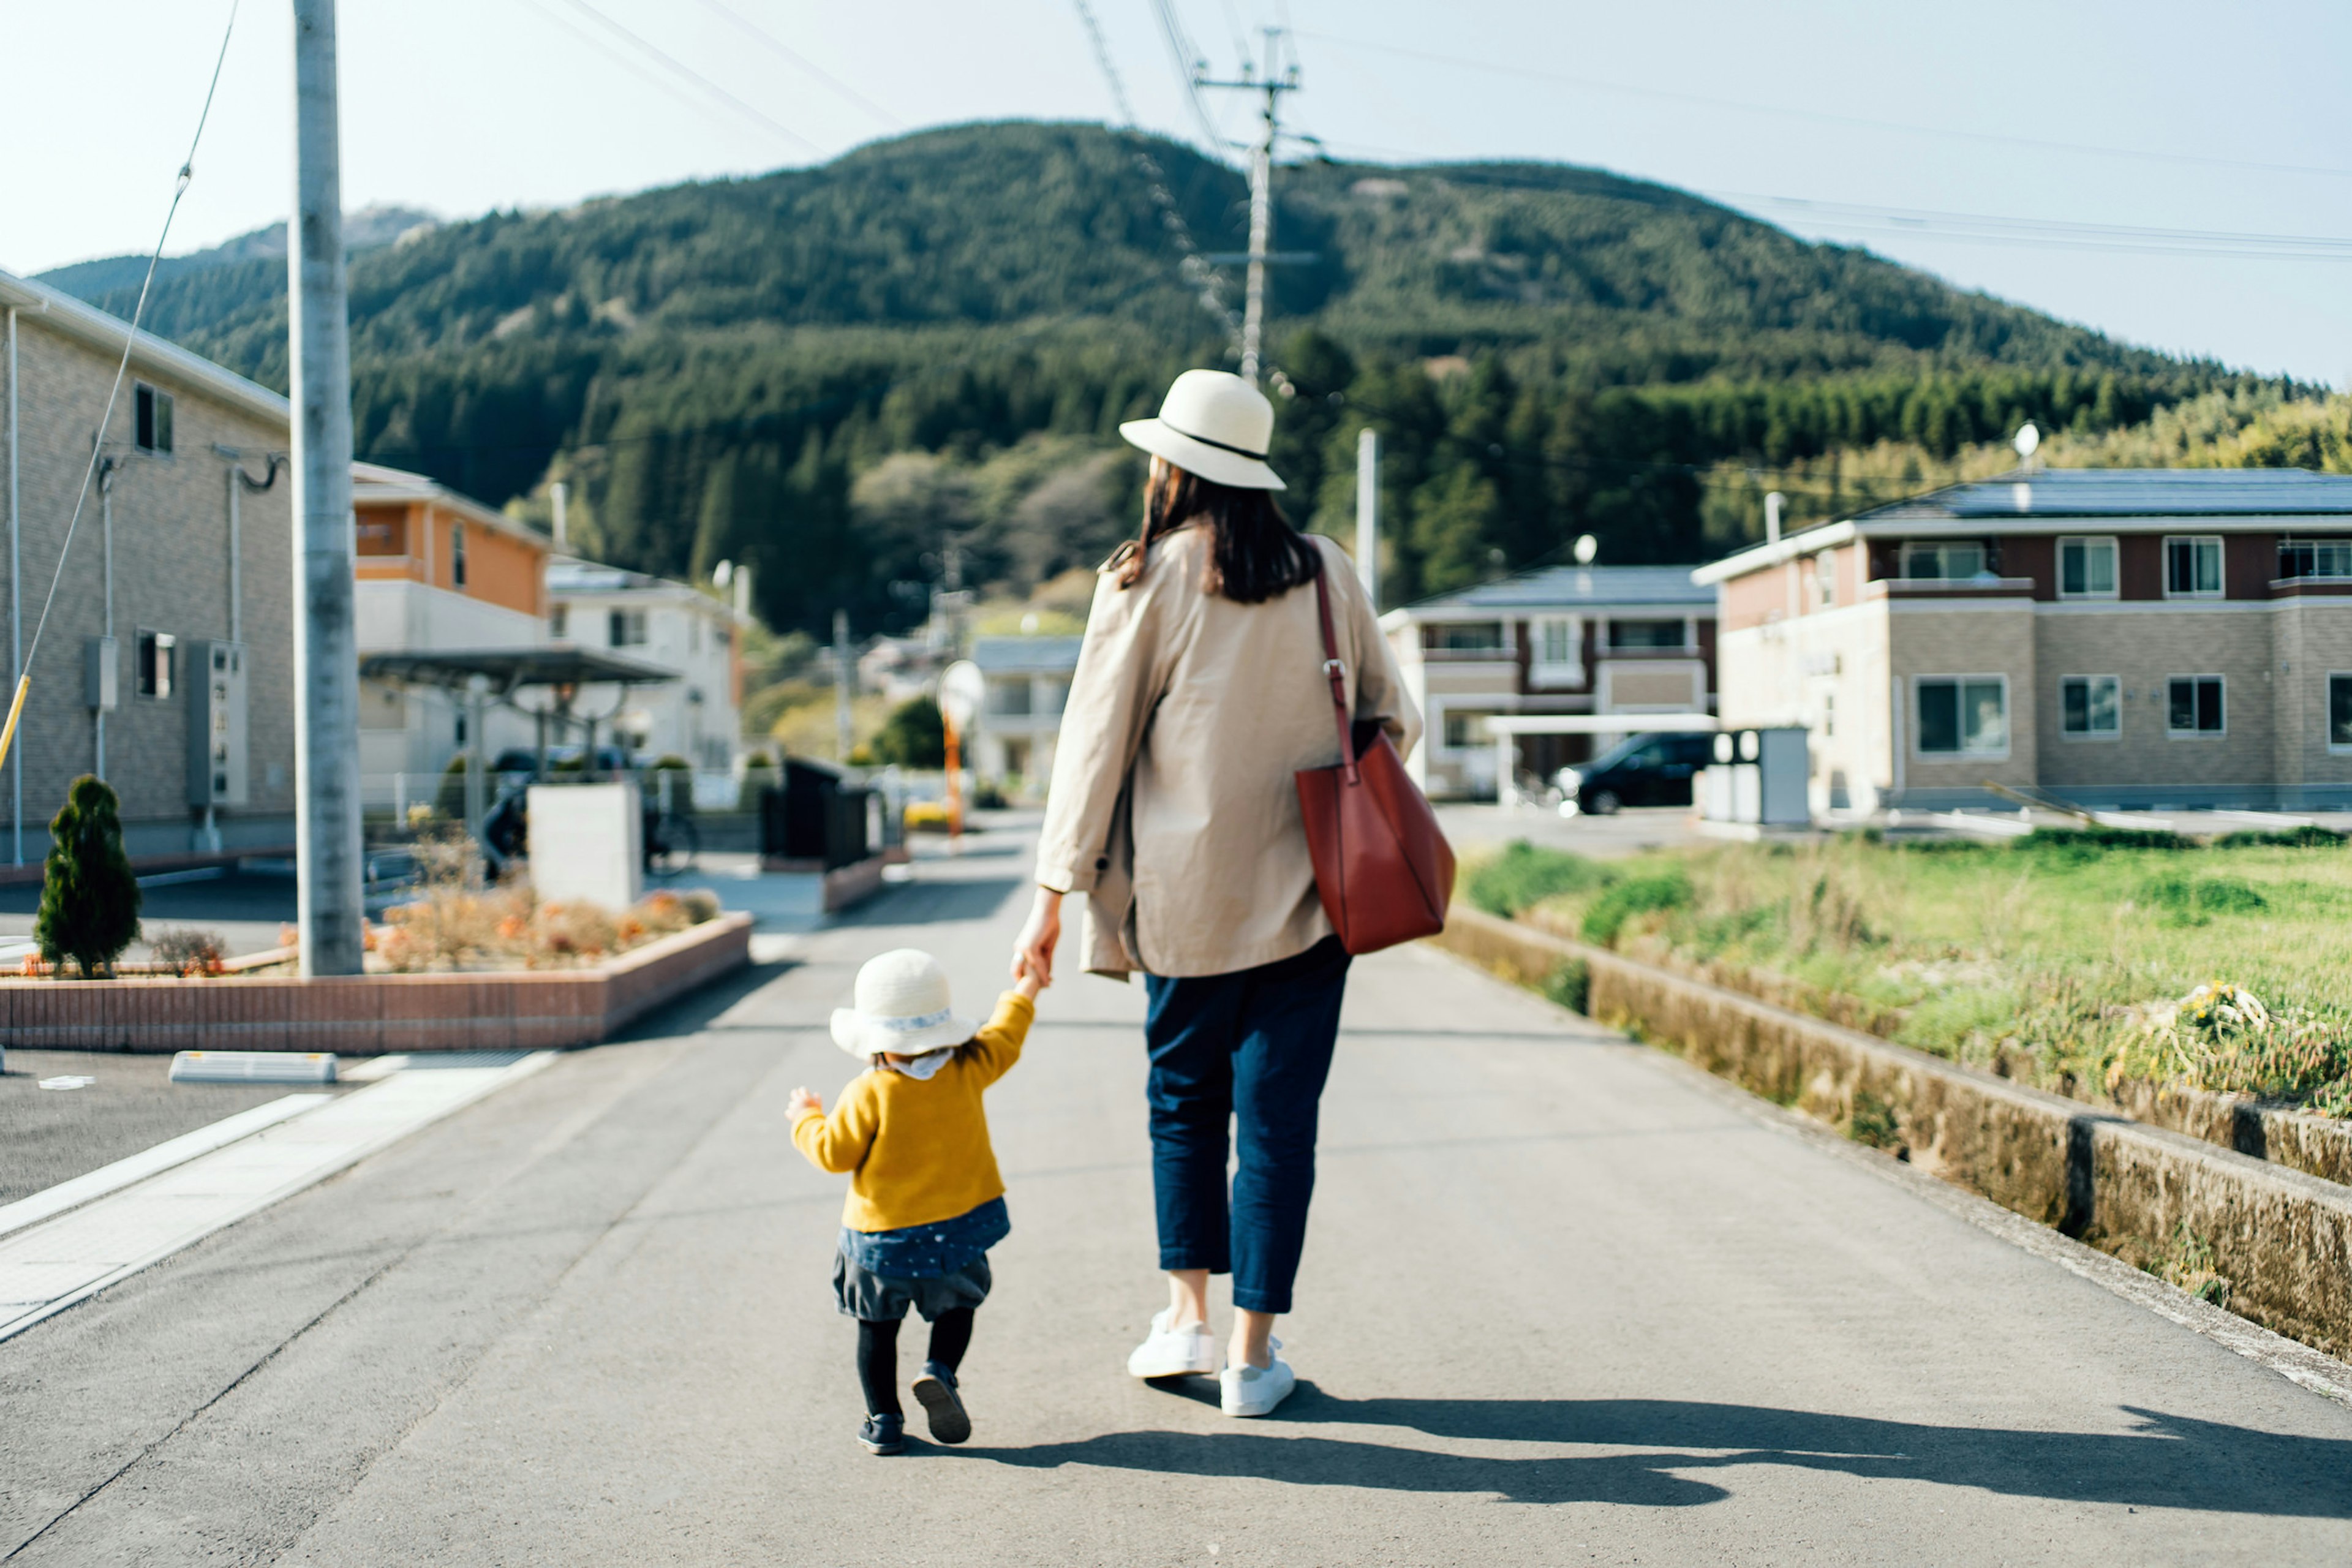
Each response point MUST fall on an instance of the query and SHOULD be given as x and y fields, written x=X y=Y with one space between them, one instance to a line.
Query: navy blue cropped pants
x=1250 y=1049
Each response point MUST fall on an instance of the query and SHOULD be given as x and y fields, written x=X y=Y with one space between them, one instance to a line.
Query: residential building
x=182 y=555
x=1027 y=686
x=438 y=573
x=674 y=624
x=2115 y=637
x=1564 y=641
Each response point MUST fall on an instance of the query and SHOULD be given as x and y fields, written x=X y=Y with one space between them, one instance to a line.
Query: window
x=151 y=418
x=2087 y=568
x=1464 y=730
x=559 y=622
x=1829 y=715
x=1646 y=634
x=1825 y=580
x=2193 y=705
x=457 y=555
x=1963 y=715
x=2192 y=568
x=1556 y=641
x=159 y=664
x=625 y=628
x=2339 y=713
x=2090 y=705
x=1464 y=636
x=1014 y=697
x=1952 y=560
x=2314 y=557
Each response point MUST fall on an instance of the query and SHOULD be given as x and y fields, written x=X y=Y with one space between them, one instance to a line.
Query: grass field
x=2064 y=959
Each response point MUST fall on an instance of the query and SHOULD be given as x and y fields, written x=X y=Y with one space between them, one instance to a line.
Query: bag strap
x=1336 y=673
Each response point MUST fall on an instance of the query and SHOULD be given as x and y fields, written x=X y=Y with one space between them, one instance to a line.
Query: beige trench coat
x=1171 y=805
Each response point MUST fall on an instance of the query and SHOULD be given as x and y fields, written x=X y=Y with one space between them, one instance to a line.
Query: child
x=925 y=1201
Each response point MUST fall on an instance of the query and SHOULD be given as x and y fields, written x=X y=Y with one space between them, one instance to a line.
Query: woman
x=1199 y=691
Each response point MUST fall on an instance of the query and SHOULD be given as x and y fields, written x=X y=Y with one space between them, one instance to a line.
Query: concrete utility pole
x=327 y=877
x=1271 y=86
x=1368 y=512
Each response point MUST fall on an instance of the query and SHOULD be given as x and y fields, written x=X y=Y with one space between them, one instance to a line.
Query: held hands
x=1033 y=951
x=802 y=1100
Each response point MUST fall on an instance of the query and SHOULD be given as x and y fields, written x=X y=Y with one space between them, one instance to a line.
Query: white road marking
x=50 y=1267
x=52 y=1201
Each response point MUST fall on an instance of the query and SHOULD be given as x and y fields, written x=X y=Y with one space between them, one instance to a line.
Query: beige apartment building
x=1559 y=642
x=179 y=585
x=2118 y=639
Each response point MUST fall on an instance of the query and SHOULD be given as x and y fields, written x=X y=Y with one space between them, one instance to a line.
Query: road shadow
x=920 y=903
x=2167 y=1461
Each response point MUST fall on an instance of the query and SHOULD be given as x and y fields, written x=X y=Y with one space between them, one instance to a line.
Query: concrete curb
x=2280 y=1238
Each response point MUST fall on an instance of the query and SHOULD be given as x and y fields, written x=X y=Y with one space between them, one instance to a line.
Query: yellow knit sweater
x=918 y=1148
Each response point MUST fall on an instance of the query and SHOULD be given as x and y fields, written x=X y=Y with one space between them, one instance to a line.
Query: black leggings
x=878 y=1355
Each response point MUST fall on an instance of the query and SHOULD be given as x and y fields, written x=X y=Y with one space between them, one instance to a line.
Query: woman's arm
x=1120 y=676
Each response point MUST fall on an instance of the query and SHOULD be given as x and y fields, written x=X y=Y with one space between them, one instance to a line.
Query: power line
x=2056 y=232
x=1189 y=63
x=1194 y=266
x=131 y=338
x=647 y=45
x=806 y=64
x=633 y=65
x=1824 y=117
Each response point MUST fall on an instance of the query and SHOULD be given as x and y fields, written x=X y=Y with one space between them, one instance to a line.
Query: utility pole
x=845 y=730
x=327 y=876
x=1368 y=513
x=1270 y=87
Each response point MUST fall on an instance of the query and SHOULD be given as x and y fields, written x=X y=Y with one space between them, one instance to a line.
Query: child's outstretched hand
x=801 y=1100
x=1028 y=985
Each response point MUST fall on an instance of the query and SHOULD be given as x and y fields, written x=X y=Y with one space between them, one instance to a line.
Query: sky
x=2025 y=150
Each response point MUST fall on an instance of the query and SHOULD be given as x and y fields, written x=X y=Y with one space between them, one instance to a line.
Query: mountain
x=108 y=279
x=1549 y=351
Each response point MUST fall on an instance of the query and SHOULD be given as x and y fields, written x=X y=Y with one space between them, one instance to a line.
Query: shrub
x=914 y=736
x=1523 y=876
x=188 y=950
x=2080 y=842
x=1623 y=901
x=90 y=899
x=927 y=816
x=2309 y=836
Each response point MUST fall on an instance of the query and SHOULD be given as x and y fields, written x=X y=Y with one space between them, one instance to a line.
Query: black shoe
x=937 y=1390
x=884 y=1433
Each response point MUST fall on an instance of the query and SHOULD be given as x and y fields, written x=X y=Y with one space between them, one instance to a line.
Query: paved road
x=1561 y=1304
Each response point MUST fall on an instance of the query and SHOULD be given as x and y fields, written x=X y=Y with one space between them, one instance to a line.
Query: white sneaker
x=1255 y=1391
x=1171 y=1352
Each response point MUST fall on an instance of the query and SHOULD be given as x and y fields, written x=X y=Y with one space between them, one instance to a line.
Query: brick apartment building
x=2117 y=637
x=176 y=558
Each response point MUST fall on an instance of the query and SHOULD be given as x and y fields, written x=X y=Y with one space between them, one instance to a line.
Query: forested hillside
x=721 y=368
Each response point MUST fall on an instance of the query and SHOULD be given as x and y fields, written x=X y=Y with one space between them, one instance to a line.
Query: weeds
x=1624 y=900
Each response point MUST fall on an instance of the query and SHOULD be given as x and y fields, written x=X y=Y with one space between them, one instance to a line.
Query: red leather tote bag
x=1383 y=869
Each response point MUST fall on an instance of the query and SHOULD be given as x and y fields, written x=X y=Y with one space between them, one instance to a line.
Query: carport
x=501 y=674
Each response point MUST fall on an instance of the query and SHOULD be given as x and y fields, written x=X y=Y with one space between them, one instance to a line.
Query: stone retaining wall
x=2282 y=1239
x=371 y=1014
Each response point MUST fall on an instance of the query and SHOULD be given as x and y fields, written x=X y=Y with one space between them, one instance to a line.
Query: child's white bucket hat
x=903 y=1006
x=1214 y=425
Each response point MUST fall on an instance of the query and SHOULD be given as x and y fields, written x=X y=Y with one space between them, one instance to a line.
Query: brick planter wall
x=371 y=1014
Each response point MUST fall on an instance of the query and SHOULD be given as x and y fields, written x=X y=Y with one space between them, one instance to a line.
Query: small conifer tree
x=90 y=899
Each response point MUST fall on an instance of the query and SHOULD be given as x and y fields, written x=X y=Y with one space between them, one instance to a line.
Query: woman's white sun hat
x=1214 y=425
x=902 y=1007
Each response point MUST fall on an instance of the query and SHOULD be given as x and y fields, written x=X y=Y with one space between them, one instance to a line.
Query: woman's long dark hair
x=1255 y=554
